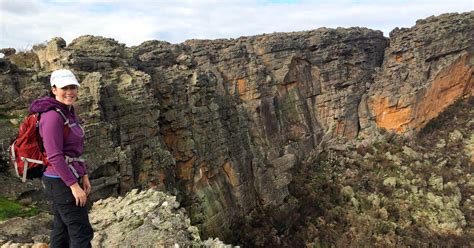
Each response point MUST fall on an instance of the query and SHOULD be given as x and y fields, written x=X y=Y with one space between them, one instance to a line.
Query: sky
x=24 y=23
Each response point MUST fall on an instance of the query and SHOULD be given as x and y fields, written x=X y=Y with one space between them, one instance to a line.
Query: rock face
x=426 y=68
x=237 y=115
x=223 y=123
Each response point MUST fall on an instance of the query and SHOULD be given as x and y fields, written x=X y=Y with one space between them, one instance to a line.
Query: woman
x=65 y=180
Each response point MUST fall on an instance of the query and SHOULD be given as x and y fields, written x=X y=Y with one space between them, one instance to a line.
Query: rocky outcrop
x=426 y=68
x=223 y=124
x=148 y=218
x=31 y=231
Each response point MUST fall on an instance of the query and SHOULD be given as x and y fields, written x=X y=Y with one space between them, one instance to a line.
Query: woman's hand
x=79 y=194
x=86 y=184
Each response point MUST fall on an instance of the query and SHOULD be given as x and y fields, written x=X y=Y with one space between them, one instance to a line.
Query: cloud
x=18 y=7
x=24 y=23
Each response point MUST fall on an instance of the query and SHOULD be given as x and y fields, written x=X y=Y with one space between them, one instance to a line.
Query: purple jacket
x=51 y=131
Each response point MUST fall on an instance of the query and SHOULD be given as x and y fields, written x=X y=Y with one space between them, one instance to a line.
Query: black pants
x=71 y=227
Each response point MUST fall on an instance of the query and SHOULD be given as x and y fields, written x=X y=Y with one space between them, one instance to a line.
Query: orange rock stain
x=230 y=172
x=184 y=169
x=450 y=84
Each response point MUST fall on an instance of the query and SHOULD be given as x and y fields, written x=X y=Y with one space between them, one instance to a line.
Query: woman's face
x=66 y=95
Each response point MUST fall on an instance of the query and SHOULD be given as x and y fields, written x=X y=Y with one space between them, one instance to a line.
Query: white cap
x=63 y=77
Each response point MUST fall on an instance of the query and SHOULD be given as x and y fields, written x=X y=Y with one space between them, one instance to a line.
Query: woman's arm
x=86 y=184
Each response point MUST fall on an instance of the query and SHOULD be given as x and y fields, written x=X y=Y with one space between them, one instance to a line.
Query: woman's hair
x=50 y=93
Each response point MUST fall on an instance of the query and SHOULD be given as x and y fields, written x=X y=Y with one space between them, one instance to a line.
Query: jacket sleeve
x=86 y=169
x=51 y=130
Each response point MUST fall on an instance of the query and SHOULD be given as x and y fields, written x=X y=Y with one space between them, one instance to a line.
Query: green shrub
x=9 y=209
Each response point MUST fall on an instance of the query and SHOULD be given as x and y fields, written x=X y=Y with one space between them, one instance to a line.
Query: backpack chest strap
x=69 y=161
x=74 y=159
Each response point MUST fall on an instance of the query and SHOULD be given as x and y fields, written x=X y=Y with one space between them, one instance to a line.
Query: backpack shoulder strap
x=66 y=120
x=66 y=123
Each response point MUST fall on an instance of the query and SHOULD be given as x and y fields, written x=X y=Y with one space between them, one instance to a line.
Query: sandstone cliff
x=426 y=68
x=224 y=123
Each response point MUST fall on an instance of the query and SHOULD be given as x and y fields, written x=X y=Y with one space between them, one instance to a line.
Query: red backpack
x=27 y=152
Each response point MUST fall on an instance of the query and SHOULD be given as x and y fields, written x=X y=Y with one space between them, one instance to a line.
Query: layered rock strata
x=237 y=115
x=426 y=68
